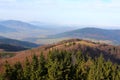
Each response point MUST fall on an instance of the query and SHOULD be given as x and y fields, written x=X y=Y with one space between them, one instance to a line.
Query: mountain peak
x=13 y=21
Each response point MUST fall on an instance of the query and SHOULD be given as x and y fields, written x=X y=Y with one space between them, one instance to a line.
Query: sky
x=99 y=13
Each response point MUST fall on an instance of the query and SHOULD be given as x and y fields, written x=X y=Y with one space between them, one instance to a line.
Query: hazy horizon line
x=36 y=22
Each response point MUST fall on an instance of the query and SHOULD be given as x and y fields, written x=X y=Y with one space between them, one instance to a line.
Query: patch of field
x=49 y=40
x=85 y=43
x=6 y=54
x=99 y=41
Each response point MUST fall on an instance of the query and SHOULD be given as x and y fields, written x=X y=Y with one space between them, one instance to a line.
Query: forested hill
x=14 y=42
x=62 y=65
x=92 y=33
x=93 y=49
x=11 y=48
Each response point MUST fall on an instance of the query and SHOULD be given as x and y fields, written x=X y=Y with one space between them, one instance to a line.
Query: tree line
x=62 y=65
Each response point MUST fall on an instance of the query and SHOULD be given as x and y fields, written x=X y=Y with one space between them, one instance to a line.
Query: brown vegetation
x=86 y=47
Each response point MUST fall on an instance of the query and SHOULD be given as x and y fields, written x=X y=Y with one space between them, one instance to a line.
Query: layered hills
x=25 y=30
x=110 y=36
x=8 y=45
x=42 y=33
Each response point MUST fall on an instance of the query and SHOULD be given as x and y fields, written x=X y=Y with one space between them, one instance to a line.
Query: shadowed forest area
x=62 y=65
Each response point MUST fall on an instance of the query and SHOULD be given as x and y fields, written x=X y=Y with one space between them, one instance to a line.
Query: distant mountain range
x=18 y=25
x=16 y=29
x=92 y=34
x=46 y=33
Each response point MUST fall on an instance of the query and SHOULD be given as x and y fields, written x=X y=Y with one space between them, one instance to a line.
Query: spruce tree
x=1 y=77
x=18 y=71
x=42 y=70
x=34 y=67
x=27 y=70
x=8 y=75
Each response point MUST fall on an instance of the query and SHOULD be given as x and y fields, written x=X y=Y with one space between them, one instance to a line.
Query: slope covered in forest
x=98 y=34
x=14 y=42
x=62 y=65
x=69 y=51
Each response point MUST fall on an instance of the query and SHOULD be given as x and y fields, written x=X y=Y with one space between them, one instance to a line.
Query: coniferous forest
x=62 y=65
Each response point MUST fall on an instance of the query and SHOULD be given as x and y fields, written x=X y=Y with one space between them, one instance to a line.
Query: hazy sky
x=64 y=12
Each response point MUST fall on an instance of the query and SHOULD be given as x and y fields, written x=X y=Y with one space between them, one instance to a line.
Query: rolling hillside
x=92 y=34
x=92 y=49
x=13 y=42
x=11 y=48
